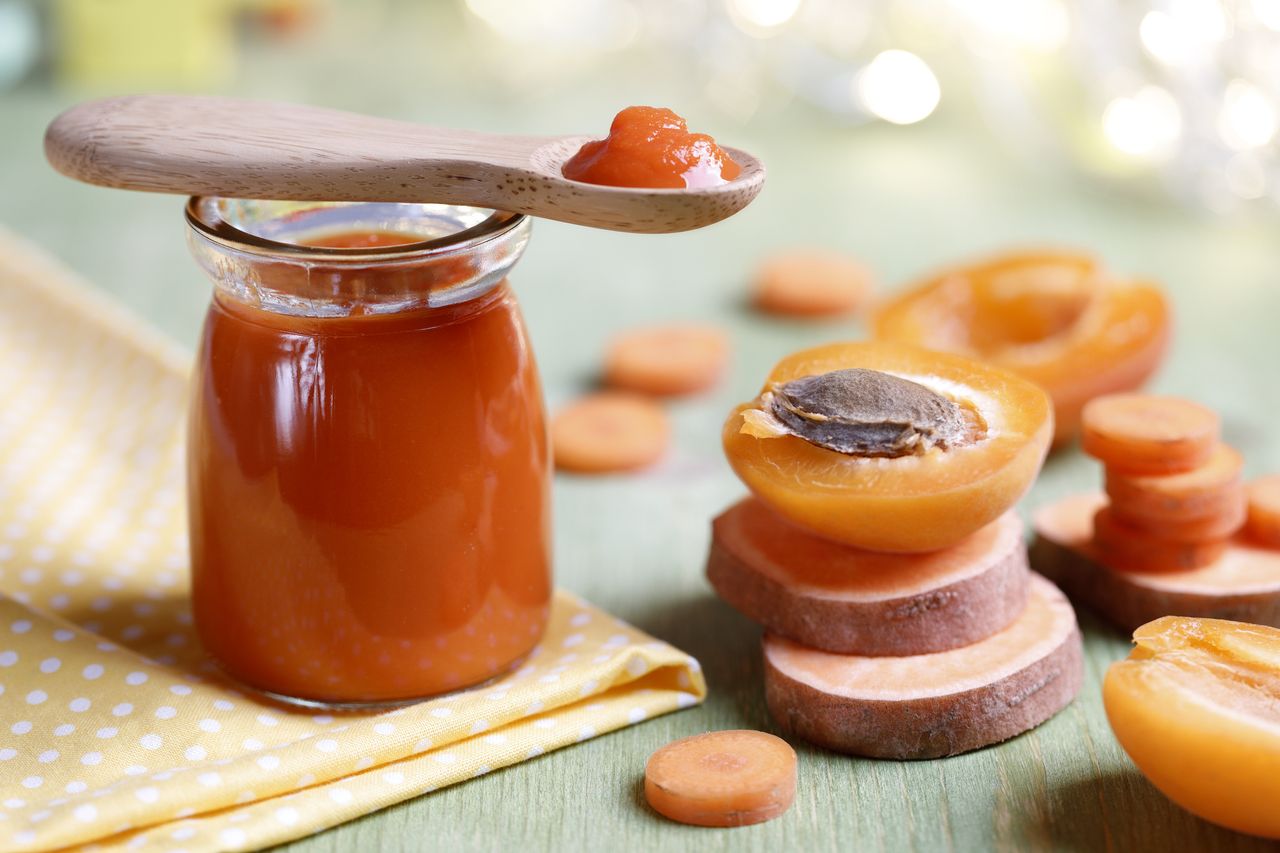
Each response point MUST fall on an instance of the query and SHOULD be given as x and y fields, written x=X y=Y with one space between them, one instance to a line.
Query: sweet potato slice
x=928 y=706
x=848 y=600
x=1242 y=585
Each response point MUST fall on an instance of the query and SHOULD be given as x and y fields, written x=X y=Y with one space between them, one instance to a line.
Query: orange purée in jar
x=371 y=521
x=652 y=147
x=362 y=240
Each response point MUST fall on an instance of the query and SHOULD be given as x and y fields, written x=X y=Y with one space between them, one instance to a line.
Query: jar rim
x=203 y=215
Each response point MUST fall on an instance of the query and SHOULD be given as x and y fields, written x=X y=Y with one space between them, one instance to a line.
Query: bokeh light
x=1040 y=25
x=1247 y=118
x=1146 y=124
x=758 y=15
x=899 y=87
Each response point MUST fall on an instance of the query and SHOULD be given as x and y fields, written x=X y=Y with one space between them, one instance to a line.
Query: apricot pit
x=865 y=413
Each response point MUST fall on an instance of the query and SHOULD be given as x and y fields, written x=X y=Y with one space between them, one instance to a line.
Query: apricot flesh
x=914 y=503
x=1054 y=317
x=1197 y=707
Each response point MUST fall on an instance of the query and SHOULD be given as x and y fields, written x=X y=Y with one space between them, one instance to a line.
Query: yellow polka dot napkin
x=115 y=730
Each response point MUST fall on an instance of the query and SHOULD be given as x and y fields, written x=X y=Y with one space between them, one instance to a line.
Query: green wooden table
x=903 y=199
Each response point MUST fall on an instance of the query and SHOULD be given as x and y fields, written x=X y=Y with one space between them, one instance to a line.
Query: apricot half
x=1197 y=707
x=892 y=487
x=1056 y=318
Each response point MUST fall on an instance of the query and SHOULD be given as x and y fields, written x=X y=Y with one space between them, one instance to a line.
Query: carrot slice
x=811 y=283
x=667 y=360
x=1214 y=488
x=1263 y=524
x=841 y=599
x=1129 y=549
x=1244 y=584
x=727 y=778
x=1146 y=434
x=1209 y=528
x=607 y=432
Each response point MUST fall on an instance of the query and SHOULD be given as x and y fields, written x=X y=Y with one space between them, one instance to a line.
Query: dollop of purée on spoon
x=652 y=147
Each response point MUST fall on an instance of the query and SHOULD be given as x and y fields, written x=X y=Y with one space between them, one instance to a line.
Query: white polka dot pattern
x=111 y=718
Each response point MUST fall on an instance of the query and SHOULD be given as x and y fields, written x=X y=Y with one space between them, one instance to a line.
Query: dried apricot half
x=1197 y=707
x=889 y=447
x=1054 y=317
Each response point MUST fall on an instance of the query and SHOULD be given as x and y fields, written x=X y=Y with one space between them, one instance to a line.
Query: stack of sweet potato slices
x=899 y=655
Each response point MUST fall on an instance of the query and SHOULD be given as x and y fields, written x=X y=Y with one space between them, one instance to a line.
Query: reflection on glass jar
x=368 y=461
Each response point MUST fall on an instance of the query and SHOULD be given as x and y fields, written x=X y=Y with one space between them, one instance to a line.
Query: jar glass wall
x=368 y=460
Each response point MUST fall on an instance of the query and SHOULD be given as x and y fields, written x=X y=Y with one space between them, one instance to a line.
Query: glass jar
x=368 y=463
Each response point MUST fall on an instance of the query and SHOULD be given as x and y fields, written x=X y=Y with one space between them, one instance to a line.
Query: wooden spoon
x=198 y=145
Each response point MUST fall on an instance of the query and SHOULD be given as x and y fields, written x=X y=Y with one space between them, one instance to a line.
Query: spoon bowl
x=215 y=146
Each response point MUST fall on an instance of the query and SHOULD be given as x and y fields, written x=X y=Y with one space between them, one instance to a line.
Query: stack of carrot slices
x=1175 y=492
x=1166 y=537
x=925 y=646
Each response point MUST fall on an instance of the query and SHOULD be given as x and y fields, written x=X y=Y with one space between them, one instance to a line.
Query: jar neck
x=364 y=325
x=263 y=255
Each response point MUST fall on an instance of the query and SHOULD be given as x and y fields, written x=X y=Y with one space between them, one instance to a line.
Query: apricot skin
x=1217 y=762
x=906 y=505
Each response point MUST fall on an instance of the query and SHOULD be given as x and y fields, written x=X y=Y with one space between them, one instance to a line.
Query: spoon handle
x=202 y=145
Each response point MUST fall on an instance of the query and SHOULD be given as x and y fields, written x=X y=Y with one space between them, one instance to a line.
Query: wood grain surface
x=905 y=201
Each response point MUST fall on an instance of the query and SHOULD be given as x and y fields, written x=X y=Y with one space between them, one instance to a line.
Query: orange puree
x=652 y=147
x=369 y=504
x=363 y=240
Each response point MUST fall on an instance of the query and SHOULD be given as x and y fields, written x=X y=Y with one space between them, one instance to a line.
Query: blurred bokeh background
x=1180 y=95
x=908 y=133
